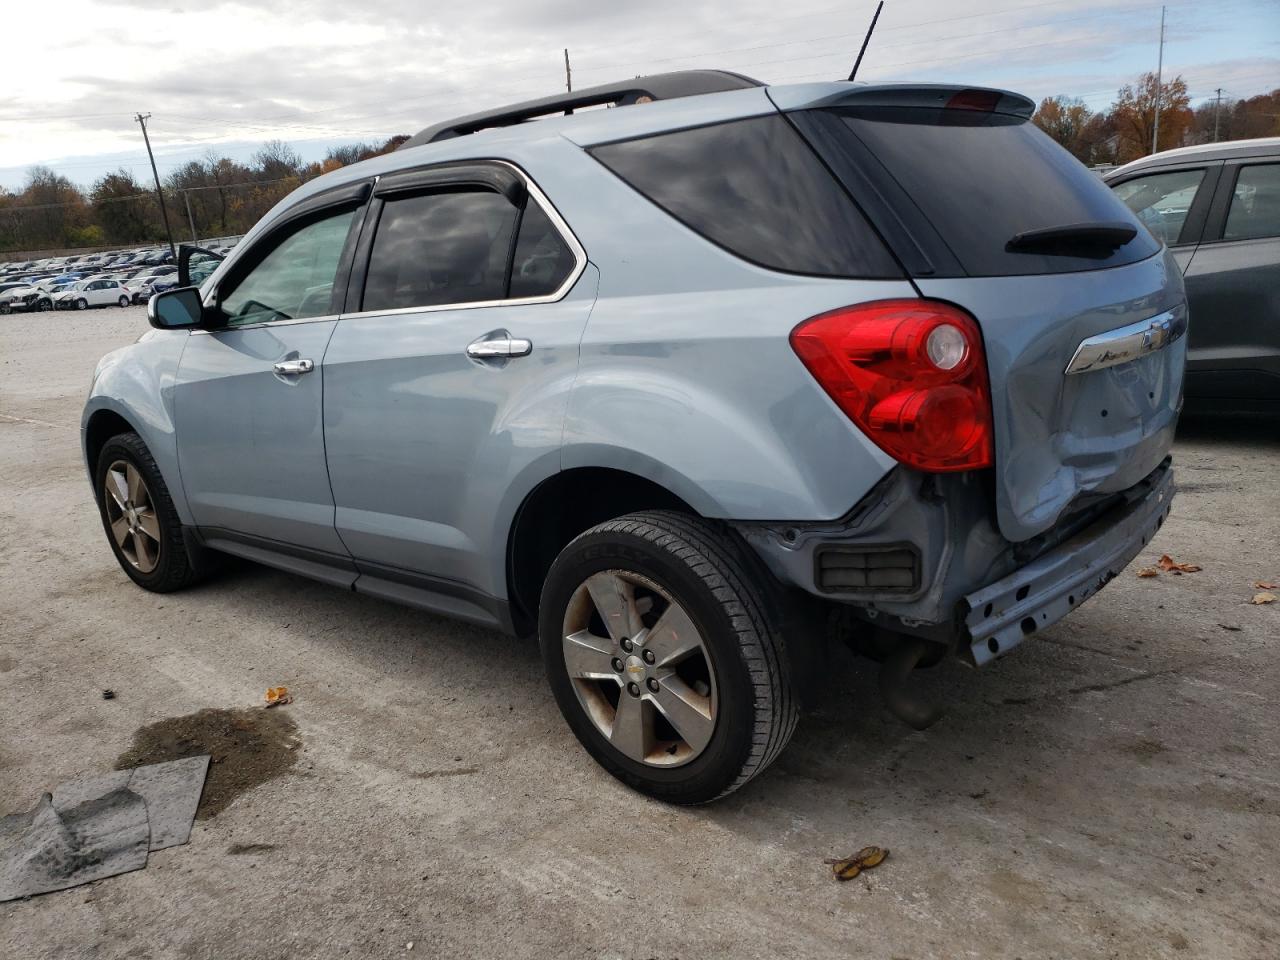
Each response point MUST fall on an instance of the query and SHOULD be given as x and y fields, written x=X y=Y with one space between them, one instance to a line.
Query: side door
x=446 y=383
x=247 y=404
x=1233 y=287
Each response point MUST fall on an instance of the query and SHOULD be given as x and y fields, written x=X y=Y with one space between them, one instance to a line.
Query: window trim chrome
x=562 y=227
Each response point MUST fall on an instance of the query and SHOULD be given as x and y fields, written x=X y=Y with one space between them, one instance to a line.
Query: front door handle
x=499 y=347
x=290 y=368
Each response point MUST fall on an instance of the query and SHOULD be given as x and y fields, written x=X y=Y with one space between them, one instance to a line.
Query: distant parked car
x=93 y=293
x=23 y=299
x=141 y=288
x=1217 y=207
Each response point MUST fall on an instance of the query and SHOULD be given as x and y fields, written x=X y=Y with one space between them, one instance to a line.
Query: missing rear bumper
x=1003 y=614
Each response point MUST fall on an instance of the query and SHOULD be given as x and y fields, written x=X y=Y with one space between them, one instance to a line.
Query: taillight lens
x=911 y=374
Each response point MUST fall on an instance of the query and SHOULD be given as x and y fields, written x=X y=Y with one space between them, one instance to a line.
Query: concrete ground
x=1112 y=789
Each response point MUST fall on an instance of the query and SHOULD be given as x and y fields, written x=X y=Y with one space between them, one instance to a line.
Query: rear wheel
x=124 y=301
x=138 y=515
x=663 y=658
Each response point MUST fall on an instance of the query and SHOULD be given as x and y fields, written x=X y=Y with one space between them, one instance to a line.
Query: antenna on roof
x=865 y=40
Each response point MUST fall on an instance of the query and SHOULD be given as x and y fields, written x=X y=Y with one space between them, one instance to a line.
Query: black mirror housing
x=179 y=309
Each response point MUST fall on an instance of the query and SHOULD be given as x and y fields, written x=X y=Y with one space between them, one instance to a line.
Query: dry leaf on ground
x=847 y=868
x=1264 y=597
x=1167 y=562
x=278 y=696
x=1265 y=584
x=1149 y=572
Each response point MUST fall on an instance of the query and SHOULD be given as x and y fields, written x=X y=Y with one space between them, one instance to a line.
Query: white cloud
x=221 y=72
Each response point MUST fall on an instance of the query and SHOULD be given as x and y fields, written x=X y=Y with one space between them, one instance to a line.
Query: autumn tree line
x=1125 y=130
x=218 y=196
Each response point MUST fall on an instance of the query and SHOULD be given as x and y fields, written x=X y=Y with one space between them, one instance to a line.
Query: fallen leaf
x=1149 y=572
x=1167 y=562
x=278 y=696
x=1264 y=597
x=1265 y=584
x=1232 y=627
x=846 y=868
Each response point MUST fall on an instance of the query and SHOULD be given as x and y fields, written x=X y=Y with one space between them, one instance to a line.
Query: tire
x=124 y=301
x=44 y=306
x=82 y=304
x=4 y=309
x=168 y=568
x=665 y=561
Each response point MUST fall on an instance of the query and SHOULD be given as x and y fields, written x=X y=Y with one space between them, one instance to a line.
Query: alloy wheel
x=640 y=668
x=132 y=516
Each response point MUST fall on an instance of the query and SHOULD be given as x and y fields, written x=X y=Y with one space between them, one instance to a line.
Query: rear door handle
x=290 y=368
x=498 y=347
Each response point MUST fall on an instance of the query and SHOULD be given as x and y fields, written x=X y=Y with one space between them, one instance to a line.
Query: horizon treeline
x=218 y=196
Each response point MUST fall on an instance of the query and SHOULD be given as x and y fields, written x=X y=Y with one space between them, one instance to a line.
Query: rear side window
x=465 y=246
x=1162 y=200
x=755 y=188
x=439 y=248
x=979 y=179
x=1255 y=204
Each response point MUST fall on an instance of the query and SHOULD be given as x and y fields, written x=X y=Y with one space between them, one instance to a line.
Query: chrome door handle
x=498 y=348
x=289 y=368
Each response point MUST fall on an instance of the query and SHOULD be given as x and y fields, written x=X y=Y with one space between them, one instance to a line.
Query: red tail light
x=911 y=374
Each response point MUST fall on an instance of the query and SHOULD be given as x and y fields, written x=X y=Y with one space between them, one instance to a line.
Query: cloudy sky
x=225 y=75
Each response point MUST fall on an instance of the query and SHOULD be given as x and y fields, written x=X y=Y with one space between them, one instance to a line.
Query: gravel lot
x=1109 y=790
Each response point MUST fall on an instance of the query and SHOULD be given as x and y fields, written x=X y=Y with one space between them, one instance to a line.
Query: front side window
x=1162 y=200
x=294 y=280
x=1255 y=204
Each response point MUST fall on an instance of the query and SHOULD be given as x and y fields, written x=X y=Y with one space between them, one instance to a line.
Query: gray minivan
x=1217 y=206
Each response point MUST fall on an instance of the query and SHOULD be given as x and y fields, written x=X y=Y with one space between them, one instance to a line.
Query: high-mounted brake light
x=911 y=374
x=984 y=100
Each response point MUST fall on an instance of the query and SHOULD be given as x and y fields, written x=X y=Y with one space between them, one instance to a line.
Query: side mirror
x=179 y=309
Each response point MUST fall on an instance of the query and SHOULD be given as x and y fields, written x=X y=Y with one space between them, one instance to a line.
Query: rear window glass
x=981 y=178
x=756 y=189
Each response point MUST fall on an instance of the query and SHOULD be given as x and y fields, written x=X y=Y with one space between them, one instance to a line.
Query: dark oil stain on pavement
x=246 y=748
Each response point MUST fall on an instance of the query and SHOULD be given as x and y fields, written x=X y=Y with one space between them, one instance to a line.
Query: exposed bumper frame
x=1004 y=613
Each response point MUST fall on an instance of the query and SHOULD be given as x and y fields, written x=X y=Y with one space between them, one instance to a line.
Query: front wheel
x=82 y=304
x=663 y=658
x=44 y=306
x=138 y=515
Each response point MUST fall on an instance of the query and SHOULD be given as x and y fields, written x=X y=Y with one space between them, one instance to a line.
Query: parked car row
x=90 y=280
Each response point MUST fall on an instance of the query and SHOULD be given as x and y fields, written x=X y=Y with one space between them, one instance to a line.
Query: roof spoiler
x=659 y=86
x=934 y=95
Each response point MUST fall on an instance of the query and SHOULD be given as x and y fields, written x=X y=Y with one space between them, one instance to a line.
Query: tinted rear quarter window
x=755 y=188
x=981 y=178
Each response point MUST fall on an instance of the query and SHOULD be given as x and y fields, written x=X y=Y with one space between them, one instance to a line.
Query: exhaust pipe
x=894 y=671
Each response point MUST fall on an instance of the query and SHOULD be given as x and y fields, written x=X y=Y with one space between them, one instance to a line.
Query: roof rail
x=659 y=86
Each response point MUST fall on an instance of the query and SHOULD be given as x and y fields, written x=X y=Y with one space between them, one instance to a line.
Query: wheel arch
x=101 y=426
x=557 y=510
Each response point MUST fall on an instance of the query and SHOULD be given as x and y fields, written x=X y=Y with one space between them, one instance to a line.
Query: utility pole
x=1155 y=133
x=568 y=75
x=1217 y=108
x=186 y=197
x=164 y=213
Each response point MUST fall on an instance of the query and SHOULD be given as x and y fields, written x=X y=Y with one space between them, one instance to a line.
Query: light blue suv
x=676 y=385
